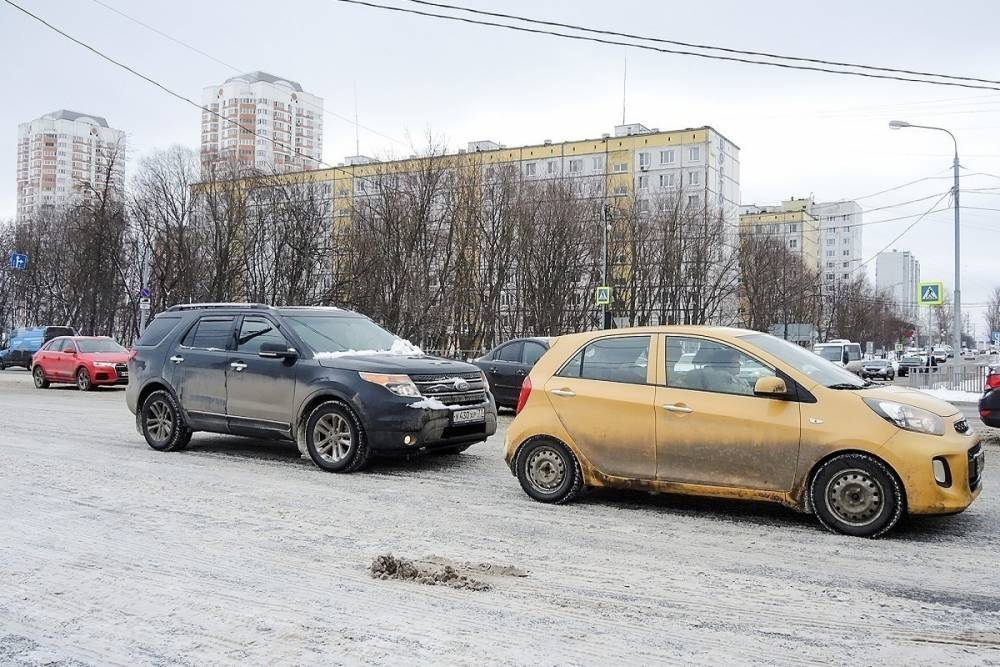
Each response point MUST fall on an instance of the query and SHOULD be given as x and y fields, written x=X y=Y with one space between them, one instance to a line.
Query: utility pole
x=147 y=266
x=605 y=223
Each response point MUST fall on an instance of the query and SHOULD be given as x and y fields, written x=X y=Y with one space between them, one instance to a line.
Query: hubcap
x=159 y=421
x=546 y=469
x=854 y=497
x=39 y=377
x=332 y=438
x=83 y=379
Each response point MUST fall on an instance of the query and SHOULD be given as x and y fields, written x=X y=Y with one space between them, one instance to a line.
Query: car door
x=200 y=361
x=603 y=397
x=503 y=373
x=710 y=427
x=63 y=363
x=260 y=391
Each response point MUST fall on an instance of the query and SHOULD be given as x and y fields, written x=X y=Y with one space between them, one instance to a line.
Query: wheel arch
x=807 y=481
x=316 y=399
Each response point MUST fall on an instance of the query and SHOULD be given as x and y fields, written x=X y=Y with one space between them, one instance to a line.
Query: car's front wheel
x=38 y=375
x=162 y=422
x=548 y=471
x=335 y=438
x=856 y=494
x=83 y=381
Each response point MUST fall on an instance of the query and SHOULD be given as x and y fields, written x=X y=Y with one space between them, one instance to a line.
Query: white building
x=898 y=273
x=62 y=157
x=288 y=123
x=840 y=224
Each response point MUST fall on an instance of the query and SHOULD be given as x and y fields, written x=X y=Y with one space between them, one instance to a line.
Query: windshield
x=833 y=353
x=87 y=345
x=325 y=333
x=817 y=368
x=876 y=362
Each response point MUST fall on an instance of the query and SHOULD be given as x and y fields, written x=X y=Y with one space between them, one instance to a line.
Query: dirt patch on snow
x=438 y=571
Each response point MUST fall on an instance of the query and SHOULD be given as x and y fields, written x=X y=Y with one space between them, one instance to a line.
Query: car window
x=210 y=333
x=622 y=359
x=68 y=345
x=715 y=367
x=88 y=345
x=255 y=331
x=510 y=352
x=532 y=352
x=157 y=330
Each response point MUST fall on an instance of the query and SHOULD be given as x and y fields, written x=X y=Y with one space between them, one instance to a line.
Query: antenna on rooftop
x=624 y=80
x=357 y=139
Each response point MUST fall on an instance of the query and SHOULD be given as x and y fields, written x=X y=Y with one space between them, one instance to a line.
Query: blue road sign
x=144 y=293
x=996 y=337
x=18 y=261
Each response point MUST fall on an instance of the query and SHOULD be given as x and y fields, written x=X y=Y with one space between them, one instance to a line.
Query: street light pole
x=956 y=334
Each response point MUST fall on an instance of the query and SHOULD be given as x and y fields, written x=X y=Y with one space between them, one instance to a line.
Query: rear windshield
x=98 y=345
x=157 y=330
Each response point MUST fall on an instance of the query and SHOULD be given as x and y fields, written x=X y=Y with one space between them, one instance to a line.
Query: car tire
x=335 y=438
x=162 y=423
x=856 y=494
x=450 y=451
x=38 y=375
x=548 y=471
x=83 y=380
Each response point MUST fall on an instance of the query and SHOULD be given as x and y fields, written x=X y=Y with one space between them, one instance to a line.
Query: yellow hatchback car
x=737 y=414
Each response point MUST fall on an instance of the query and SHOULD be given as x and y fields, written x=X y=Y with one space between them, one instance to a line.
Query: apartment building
x=841 y=229
x=268 y=123
x=898 y=273
x=62 y=157
x=791 y=223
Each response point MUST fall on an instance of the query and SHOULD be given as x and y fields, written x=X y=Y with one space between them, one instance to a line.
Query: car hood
x=396 y=363
x=917 y=399
x=117 y=357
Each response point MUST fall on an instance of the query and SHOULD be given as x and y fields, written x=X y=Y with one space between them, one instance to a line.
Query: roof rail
x=201 y=306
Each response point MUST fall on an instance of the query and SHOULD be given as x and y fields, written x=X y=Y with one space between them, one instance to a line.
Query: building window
x=694 y=178
x=829 y=265
x=694 y=153
x=621 y=190
x=598 y=163
x=694 y=200
x=830 y=253
x=575 y=166
x=829 y=276
x=793 y=243
x=845 y=264
x=793 y=227
x=643 y=159
x=644 y=206
x=620 y=167
x=666 y=180
x=667 y=157
x=643 y=182
x=529 y=169
x=845 y=276
x=831 y=241
x=847 y=253
x=846 y=241
x=550 y=167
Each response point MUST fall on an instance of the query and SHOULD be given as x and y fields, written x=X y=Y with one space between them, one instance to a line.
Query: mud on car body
x=331 y=380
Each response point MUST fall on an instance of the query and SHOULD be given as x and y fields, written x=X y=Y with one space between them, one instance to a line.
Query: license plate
x=469 y=416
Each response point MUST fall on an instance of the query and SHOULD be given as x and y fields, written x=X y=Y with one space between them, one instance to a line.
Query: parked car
x=878 y=368
x=940 y=354
x=610 y=408
x=911 y=363
x=508 y=364
x=841 y=352
x=989 y=404
x=88 y=362
x=21 y=344
x=330 y=380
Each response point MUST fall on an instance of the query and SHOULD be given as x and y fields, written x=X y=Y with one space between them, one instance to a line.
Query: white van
x=841 y=352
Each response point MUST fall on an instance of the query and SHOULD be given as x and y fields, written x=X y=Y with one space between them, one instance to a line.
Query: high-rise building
x=288 y=123
x=62 y=158
x=791 y=224
x=898 y=273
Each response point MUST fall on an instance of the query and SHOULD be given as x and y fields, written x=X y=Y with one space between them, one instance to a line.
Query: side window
x=511 y=352
x=532 y=352
x=68 y=345
x=210 y=333
x=622 y=359
x=157 y=331
x=707 y=365
x=255 y=331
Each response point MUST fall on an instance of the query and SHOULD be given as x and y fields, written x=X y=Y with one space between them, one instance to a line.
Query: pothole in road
x=438 y=571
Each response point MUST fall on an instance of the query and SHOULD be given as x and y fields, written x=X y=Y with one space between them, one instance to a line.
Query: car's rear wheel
x=162 y=423
x=38 y=375
x=548 y=471
x=83 y=381
x=856 y=494
x=335 y=438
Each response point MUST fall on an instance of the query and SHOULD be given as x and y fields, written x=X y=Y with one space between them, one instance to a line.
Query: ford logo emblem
x=461 y=385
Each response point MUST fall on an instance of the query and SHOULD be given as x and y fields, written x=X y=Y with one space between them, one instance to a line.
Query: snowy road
x=239 y=551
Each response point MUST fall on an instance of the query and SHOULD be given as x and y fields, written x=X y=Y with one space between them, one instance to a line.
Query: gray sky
x=799 y=133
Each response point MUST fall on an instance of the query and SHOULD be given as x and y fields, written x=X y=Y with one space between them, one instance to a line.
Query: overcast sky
x=799 y=133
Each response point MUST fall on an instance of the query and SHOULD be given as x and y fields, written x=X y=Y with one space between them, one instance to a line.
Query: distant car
x=989 y=404
x=21 y=344
x=841 y=352
x=941 y=354
x=508 y=364
x=969 y=355
x=911 y=363
x=878 y=368
x=88 y=362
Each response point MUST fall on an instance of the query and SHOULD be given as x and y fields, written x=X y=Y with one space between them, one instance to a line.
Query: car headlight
x=401 y=385
x=110 y=364
x=907 y=417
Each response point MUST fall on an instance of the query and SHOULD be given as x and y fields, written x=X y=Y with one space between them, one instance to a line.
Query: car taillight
x=993 y=381
x=522 y=398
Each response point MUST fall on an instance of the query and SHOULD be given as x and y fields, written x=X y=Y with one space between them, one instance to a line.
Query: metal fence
x=956 y=377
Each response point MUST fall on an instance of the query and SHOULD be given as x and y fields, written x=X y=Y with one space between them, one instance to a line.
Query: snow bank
x=400 y=347
x=953 y=395
x=430 y=404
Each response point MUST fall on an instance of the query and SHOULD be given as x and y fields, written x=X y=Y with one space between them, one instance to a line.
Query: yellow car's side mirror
x=770 y=386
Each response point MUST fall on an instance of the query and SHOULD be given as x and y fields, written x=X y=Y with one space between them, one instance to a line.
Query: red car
x=87 y=361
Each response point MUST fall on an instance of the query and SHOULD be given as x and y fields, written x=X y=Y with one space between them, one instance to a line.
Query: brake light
x=522 y=398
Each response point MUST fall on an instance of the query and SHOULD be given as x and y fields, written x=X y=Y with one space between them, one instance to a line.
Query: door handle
x=675 y=407
x=521 y=373
x=238 y=366
x=568 y=393
x=177 y=359
x=493 y=369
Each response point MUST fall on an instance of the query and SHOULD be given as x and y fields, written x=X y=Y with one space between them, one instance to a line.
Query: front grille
x=962 y=426
x=976 y=460
x=452 y=388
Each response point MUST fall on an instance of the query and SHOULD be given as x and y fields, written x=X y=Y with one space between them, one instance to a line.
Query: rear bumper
x=428 y=429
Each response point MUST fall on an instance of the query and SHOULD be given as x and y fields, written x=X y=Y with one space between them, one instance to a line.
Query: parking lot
x=239 y=550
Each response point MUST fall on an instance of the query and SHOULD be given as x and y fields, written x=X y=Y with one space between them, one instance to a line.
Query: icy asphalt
x=239 y=551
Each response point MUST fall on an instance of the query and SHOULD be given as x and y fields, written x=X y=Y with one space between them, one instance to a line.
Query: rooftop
x=66 y=114
x=254 y=77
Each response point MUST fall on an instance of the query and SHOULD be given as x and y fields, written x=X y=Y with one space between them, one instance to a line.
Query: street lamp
x=956 y=325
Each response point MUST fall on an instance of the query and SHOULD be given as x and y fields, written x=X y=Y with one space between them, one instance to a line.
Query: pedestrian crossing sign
x=930 y=294
x=602 y=295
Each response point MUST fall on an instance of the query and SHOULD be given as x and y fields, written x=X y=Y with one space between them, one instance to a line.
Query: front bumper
x=963 y=456
x=428 y=428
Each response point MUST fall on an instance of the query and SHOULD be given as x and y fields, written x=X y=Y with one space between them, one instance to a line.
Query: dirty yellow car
x=737 y=414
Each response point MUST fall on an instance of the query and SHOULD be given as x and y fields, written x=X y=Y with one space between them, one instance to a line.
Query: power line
x=707 y=47
x=903 y=233
x=658 y=49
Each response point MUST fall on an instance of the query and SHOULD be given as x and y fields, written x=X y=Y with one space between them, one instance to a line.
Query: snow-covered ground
x=953 y=395
x=239 y=551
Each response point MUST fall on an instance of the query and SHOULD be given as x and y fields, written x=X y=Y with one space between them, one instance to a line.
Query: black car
x=508 y=364
x=330 y=380
x=878 y=368
x=911 y=363
x=989 y=404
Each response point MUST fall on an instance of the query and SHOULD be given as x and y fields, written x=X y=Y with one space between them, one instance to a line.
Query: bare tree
x=992 y=314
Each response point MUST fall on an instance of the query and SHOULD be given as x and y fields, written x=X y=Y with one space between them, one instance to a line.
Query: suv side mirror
x=770 y=386
x=277 y=351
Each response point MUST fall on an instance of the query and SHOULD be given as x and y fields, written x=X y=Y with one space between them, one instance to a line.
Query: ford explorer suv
x=332 y=381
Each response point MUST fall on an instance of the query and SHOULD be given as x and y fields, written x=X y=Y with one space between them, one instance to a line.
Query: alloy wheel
x=83 y=379
x=39 y=377
x=160 y=421
x=854 y=497
x=332 y=438
x=546 y=469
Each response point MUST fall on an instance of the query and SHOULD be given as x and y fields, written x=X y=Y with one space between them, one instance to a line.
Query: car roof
x=728 y=333
x=228 y=308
